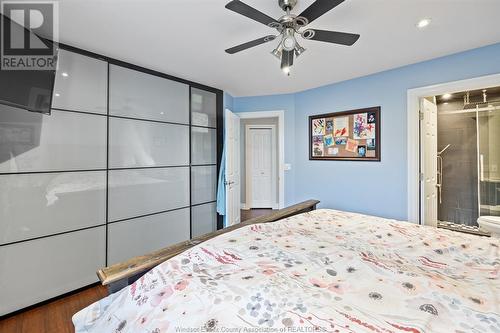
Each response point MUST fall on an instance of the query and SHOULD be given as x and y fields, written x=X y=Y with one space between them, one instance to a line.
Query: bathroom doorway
x=460 y=158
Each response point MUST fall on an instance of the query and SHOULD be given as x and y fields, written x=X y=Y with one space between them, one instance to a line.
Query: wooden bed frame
x=124 y=273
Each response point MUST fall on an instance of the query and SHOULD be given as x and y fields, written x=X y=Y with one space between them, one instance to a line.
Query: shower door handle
x=439 y=176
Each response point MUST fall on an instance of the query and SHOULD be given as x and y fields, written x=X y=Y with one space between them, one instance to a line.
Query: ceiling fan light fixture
x=299 y=50
x=289 y=26
x=289 y=40
x=286 y=61
x=278 y=51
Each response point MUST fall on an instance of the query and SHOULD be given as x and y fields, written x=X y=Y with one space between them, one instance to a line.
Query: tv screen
x=21 y=87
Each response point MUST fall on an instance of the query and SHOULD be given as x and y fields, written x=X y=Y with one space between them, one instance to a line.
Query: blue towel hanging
x=221 y=187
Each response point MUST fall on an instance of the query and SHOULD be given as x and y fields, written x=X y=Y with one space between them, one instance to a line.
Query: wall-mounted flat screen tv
x=20 y=86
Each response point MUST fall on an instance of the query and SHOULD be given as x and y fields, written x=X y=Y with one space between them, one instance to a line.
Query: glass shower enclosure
x=468 y=154
x=488 y=146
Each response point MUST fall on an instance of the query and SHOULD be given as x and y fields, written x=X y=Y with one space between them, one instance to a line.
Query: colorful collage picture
x=362 y=129
x=349 y=135
x=318 y=146
x=319 y=127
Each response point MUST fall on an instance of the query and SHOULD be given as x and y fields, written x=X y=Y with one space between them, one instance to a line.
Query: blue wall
x=366 y=187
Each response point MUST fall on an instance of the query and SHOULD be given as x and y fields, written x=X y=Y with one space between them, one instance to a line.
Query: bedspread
x=322 y=271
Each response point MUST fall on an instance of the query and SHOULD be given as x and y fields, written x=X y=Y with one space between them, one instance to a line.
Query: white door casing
x=280 y=146
x=232 y=173
x=260 y=163
x=428 y=128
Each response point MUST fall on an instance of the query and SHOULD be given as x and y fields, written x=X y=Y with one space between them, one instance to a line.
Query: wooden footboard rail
x=121 y=274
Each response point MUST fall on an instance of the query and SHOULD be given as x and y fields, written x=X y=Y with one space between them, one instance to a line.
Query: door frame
x=248 y=170
x=414 y=207
x=280 y=114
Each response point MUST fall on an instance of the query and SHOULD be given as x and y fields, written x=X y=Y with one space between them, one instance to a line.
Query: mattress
x=325 y=270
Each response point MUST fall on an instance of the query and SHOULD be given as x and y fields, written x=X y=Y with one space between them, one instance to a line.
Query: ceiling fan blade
x=250 y=44
x=336 y=37
x=250 y=12
x=318 y=8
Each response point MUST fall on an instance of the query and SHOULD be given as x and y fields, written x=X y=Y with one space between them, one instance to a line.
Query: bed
x=323 y=270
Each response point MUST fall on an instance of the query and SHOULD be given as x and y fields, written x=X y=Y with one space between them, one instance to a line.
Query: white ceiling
x=187 y=38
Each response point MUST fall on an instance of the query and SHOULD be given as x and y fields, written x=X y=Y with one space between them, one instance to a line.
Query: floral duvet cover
x=322 y=271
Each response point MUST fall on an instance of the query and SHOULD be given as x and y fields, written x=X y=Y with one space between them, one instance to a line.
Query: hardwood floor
x=53 y=317
x=247 y=214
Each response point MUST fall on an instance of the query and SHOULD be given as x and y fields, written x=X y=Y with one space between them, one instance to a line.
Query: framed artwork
x=345 y=136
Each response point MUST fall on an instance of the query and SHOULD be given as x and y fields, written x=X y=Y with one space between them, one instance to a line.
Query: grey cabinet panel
x=203 y=146
x=203 y=108
x=134 y=143
x=34 y=205
x=204 y=184
x=139 y=236
x=140 y=95
x=40 y=269
x=204 y=219
x=144 y=191
x=81 y=83
x=56 y=142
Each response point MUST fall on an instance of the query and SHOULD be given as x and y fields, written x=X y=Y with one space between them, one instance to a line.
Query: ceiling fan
x=290 y=25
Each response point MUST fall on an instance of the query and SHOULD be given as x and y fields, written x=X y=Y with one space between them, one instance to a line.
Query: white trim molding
x=413 y=131
x=280 y=114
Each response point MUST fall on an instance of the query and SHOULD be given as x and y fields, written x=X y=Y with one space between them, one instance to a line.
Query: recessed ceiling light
x=446 y=96
x=65 y=74
x=423 y=23
x=57 y=95
x=446 y=103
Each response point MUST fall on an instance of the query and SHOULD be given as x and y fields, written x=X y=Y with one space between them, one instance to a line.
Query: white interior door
x=429 y=161
x=260 y=166
x=232 y=183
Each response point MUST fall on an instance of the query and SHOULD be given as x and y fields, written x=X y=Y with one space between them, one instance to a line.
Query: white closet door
x=260 y=166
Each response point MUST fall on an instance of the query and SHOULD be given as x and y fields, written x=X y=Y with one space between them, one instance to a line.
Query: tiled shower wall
x=126 y=163
x=459 y=191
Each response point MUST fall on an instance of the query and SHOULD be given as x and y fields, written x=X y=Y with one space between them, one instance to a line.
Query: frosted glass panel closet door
x=136 y=143
x=61 y=141
x=203 y=108
x=40 y=269
x=127 y=238
x=204 y=219
x=81 y=83
x=139 y=95
x=203 y=184
x=203 y=146
x=139 y=192
x=203 y=161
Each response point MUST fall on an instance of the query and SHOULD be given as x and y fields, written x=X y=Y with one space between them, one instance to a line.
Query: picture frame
x=352 y=135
